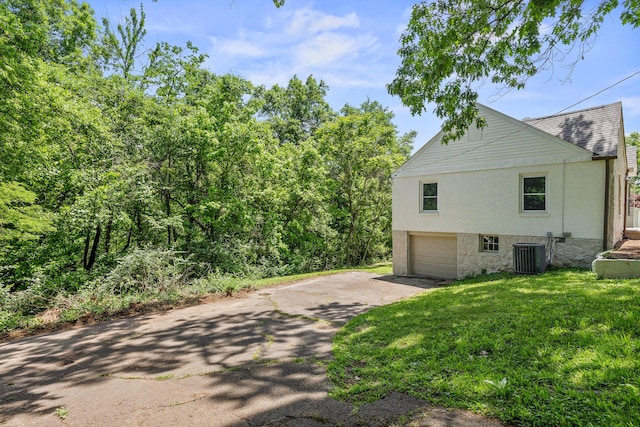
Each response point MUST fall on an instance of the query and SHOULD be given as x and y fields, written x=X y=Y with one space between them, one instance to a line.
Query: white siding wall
x=488 y=202
x=504 y=143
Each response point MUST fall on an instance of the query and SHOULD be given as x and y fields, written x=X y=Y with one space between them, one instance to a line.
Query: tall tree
x=295 y=112
x=120 y=48
x=361 y=149
x=450 y=47
x=60 y=31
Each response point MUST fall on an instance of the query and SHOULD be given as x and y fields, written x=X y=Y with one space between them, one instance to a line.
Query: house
x=558 y=181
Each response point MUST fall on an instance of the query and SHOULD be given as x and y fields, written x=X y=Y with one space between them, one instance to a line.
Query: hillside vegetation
x=128 y=169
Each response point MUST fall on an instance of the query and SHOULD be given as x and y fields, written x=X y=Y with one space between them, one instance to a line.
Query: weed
x=62 y=412
x=164 y=377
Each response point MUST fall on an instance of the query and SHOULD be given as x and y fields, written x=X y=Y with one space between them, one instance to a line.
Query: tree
x=451 y=47
x=295 y=112
x=361 y=149
x=58 y=31
x=20 y=218
x=120 y=51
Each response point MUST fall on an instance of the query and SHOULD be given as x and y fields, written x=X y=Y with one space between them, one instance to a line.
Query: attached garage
x=433 y=255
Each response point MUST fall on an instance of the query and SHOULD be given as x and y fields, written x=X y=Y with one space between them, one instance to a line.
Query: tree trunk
x=94 y=249
x=126 y=246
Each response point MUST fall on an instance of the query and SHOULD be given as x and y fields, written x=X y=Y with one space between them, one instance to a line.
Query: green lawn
x=561 y=348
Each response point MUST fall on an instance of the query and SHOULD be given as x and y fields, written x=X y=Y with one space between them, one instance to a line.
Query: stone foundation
x=576 y=252
x=570 y=253
x=400 y=252
x=564 y=252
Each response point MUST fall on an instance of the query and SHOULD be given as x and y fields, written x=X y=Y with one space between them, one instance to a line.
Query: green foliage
x=119 y=48
x=361 y=150
x=20 y=218
x=554 y=349
x=124 y=175
x=633 y=139
x=297 y=111
x=450 y=48
x=147 y=270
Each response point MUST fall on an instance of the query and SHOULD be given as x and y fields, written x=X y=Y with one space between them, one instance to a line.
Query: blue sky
x=352 y=45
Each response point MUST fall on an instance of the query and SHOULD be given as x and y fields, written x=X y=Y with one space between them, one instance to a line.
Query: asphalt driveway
x=256 y=360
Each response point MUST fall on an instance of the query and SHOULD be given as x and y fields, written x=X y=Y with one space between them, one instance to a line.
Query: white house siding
x=478 y=181
x=504 y=143
x=488 y=202
x=471 y=204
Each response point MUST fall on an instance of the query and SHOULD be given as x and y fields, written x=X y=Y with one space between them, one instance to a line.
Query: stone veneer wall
x=570 y=253
x=400 y=252
x=576 y=252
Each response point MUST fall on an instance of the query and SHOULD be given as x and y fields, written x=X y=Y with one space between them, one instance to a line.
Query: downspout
x=605 y=231
x=626 y=203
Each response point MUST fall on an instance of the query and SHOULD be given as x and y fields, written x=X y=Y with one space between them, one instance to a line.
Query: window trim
x=485 y=246
x=422 y=197
x=523 y=194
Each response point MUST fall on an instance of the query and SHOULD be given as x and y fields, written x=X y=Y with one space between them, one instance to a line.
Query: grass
x=561 y=348
x=93 y=304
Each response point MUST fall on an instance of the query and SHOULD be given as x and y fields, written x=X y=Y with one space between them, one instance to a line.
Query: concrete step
x=632 y=233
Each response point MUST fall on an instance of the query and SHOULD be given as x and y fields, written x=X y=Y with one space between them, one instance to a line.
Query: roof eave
x=599 y=157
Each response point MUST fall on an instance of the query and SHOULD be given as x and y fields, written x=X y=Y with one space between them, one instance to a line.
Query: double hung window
x=429 y=197
x=534 y=194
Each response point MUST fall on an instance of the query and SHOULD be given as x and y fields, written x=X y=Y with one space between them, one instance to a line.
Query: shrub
x=147 y=270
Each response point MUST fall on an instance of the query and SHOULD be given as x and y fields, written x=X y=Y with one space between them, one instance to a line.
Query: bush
x=32 y=300
x=147 y=270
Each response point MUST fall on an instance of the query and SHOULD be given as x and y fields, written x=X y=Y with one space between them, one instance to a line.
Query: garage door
x=434 y=255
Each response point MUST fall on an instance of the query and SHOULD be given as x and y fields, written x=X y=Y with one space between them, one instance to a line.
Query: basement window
x=489 y=243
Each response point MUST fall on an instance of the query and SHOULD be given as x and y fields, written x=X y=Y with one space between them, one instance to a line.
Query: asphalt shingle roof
x=596 y=129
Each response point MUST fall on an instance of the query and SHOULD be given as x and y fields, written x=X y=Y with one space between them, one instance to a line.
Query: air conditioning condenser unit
x=529 y=258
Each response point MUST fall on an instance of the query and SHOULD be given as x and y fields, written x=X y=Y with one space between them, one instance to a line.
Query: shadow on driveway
x=258 y=360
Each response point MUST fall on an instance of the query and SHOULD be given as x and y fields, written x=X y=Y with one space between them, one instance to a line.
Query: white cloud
x=307 y=21
x=329 y=48
x=303 y=42
x=239 y=47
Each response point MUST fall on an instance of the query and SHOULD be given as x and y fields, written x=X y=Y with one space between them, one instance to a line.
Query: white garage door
x=434 y=255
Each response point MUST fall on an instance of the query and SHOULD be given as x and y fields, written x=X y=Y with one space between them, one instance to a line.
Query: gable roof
x=596 y=129
x=505 y=142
